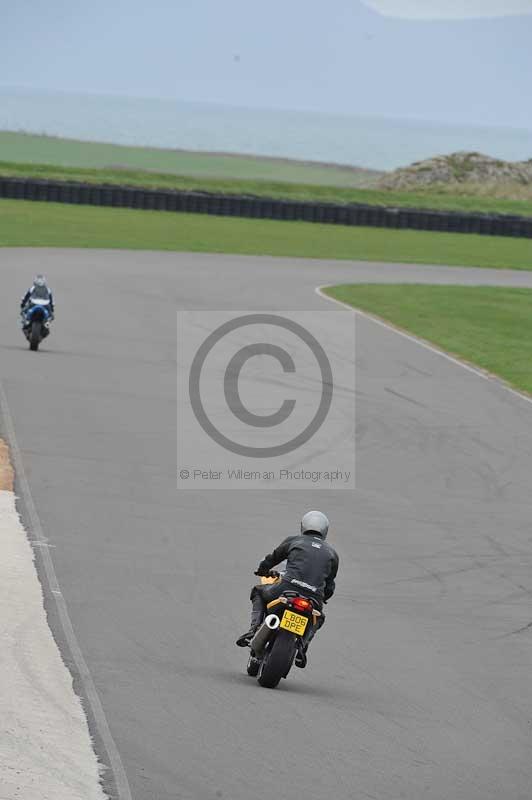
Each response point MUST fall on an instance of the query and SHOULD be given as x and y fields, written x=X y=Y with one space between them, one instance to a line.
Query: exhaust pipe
x=258 y=643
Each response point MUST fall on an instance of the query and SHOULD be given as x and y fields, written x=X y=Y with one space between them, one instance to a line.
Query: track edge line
x=487 y=376
x=90 y=694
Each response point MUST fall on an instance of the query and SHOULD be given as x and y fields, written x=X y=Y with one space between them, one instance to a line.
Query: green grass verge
x=491 y=327
x=34 y=224
x=158 y=180
x=269 y=188
x=55 y=151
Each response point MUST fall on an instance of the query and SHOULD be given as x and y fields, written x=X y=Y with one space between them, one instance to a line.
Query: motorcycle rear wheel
x=278 y=660
x=35 y=335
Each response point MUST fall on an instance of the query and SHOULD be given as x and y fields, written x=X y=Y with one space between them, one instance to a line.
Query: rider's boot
x=257 y=613
x=301 y=655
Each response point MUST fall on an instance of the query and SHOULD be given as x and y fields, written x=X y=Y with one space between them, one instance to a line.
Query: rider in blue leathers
x=40 y=291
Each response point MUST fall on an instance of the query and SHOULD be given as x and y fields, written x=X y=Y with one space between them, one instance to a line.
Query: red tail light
x=301 y=604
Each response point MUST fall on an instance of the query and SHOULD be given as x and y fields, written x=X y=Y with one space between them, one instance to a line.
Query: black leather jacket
x=311 y=564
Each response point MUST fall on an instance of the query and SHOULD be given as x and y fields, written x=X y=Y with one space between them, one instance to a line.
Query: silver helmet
x=315 y=522
x=40 y=280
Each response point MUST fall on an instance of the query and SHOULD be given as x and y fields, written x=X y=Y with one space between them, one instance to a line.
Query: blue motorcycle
x=36 y=319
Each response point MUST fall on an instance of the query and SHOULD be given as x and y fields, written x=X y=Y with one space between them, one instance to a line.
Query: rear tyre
x=278 y=660
x=35 y=335
x=253 y=666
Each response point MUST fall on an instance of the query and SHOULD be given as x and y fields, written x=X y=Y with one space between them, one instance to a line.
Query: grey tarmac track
x=419 y=685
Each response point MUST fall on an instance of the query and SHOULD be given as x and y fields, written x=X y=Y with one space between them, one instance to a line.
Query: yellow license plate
x=294 y=623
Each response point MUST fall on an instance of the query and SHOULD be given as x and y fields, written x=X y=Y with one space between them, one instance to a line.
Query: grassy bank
x=27 y=224
x=269 y=188
x=490 y=327
x=27 y=155
x=55 y=151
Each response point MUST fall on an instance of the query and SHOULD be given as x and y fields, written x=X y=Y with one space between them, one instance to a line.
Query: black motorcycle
x=281 y=638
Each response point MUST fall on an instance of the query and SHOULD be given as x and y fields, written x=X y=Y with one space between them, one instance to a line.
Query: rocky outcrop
x=458 y=169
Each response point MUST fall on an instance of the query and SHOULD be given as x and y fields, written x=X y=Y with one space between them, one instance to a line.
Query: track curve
x=419 y=685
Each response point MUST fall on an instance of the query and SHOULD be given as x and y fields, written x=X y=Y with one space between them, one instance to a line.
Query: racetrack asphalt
x=419 y=684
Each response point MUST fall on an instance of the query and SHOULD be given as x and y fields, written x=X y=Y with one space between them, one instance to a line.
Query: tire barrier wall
x=264 y=208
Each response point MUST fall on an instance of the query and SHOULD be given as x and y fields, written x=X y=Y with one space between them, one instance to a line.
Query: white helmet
x=40 y=280
x=315 y=522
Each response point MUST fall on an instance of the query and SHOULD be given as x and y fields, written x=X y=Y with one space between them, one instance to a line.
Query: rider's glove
x=265 y=573
x=270 y=573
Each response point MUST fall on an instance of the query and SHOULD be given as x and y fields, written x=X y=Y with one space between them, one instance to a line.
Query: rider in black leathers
x=311 y=567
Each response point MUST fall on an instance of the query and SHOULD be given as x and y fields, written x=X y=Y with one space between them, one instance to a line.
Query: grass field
x=22 y=155
x=34 y=224
x=54 y=151
x=490 y=327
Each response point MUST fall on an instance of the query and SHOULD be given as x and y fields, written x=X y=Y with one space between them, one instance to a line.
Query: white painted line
x=422 y=343
x=89 y=689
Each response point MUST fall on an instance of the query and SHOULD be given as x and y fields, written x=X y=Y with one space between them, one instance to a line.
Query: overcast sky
x=347 y=56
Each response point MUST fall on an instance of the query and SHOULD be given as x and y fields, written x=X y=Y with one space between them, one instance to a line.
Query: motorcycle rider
x=311 y=568
x=40 y=291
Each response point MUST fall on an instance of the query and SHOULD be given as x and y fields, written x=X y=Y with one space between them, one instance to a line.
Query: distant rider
x=311 y=567
x=39 y=290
